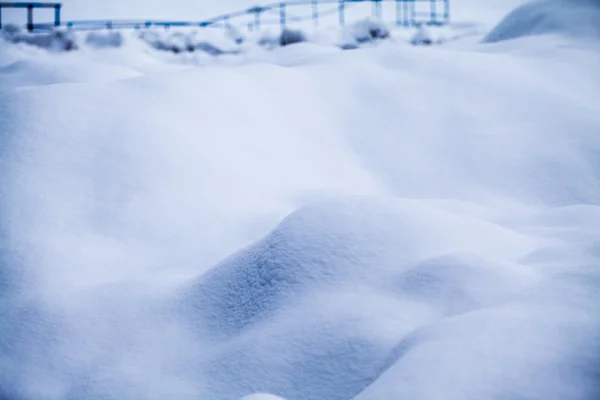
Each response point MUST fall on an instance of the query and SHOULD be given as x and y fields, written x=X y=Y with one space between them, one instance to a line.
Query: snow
x=575 y=17
x=393 y=222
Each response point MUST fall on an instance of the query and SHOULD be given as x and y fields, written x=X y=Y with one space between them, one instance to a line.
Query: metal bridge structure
x=407 y=13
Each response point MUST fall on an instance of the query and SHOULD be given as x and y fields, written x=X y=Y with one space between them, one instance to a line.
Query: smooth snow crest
x=580 y=18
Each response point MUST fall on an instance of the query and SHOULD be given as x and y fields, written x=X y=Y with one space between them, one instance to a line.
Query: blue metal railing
x=30 y=7
x=407 y=13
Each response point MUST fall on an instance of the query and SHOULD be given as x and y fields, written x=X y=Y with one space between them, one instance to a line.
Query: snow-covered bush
x=105 y=39
x=579 y=18
x=363 y=31
x=367 y=30
x=56 y=40
x=269 y=40
x=422 y=37
x=349 y=46
x=10 y=30
x=181 y=42
x=290 y=36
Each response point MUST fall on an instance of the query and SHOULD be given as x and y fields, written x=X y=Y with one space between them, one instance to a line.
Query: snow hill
x=305 y=222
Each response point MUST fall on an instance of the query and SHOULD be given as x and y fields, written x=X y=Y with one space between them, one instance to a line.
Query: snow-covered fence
x=401 y=12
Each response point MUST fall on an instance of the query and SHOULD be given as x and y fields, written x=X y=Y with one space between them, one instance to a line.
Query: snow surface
x=575 y=17
x=394 y=222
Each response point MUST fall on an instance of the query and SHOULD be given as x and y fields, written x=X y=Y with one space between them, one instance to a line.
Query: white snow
x=393 y=222
x=574 y=17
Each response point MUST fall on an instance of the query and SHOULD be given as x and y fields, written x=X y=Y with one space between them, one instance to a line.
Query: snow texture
x=301 y=222
x=579 y=18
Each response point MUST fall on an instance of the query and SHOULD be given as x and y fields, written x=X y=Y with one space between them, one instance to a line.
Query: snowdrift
x=348 y=243
x=373 y=297
x=273 y=304
x=579 y=18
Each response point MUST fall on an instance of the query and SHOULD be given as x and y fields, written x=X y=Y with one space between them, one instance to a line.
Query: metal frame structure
x=406 y=14
x=30 y=7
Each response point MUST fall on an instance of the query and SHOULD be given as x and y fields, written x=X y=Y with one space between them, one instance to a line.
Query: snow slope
x=390 y=222
x=578 y=18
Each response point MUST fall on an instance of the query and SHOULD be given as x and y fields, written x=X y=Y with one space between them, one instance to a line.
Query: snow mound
x=40 y=72
x=580 y=18
x=520 y=350
x=338 y=243
x=344 y=298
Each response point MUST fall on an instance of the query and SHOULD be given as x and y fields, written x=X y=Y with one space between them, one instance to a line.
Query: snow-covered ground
x=392 y=222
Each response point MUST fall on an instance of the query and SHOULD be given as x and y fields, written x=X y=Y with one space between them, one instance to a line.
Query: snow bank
x=579 y=18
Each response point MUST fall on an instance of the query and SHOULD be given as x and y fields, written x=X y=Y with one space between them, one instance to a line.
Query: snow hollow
x=394 y=221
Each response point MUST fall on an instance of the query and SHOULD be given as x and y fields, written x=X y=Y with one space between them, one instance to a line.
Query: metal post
x=30 y=17
x=57 y=14
x=315 y=12
x=413 y=13
x=433 y=11
x=282 y=15
x=341 y=12
x=0 y=17
x=377 y=9
x=446 y=11
x=405 y=12
x=257 y=19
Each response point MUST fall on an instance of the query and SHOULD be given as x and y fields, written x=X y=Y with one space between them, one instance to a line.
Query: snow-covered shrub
x=105 y=39
x=10 y=30
x=269 y=40
x=367 y=30
x=181 y=42
x=363 y=31
x=349 y=46
x=56 y=40
x=290 y=36
x=422 y=37
x=579 y=18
